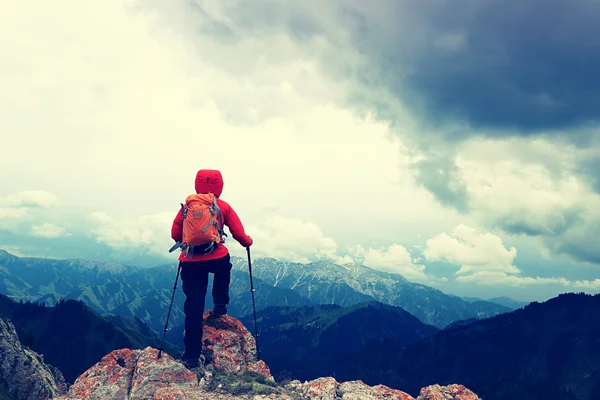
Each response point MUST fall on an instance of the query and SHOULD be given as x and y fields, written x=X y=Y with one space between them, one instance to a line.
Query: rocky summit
x=133 y=374
x=230 y=370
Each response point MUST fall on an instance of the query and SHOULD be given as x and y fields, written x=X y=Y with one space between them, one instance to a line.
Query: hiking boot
x=190 y=363
x=219 y=310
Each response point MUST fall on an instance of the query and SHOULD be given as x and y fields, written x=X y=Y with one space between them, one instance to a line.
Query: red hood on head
x=209 y=180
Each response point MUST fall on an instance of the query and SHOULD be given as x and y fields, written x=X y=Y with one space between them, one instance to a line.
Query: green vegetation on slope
x=325 y=340
x=4 y=393
x=544 y=351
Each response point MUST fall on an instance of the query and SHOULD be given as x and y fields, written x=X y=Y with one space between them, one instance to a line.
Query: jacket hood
x=209 y=181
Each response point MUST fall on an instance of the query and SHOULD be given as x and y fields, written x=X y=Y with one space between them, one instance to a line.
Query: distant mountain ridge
x=503 y=301
x=508 y=302
x=146 y=292
x=544 y=351
x=124 y=290
x=325 y=282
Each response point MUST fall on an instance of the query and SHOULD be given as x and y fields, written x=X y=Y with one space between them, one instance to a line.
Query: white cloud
x=471 y=250
x=396 y=259
x=482 y=257
x=31 y=198
x=48 y=230
x=149 y=233
x=14 y=213
x=290 y=239
x=282 y=238
x=530 y=187
x=14 y=250
x=586 y=284
x=523 y=190
x=22 y=205
x=502 y=278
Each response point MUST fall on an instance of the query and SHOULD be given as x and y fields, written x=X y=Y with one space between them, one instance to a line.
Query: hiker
x=198 y=261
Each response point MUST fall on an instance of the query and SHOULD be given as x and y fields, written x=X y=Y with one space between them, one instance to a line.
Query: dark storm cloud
x=554 y=225
x=441 y=176
x=299 y=20
x=526 y=66
x=521 y=65
x=461 y=68
x=303 y=26
x=581 y=247
x=590 y=169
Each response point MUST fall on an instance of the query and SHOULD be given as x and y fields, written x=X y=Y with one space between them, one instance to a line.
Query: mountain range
x=324 y=282
x=316 y=320
x=146 y=292
x=124 y=290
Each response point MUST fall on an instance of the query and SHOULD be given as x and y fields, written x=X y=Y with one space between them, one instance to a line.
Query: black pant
x=194 y=278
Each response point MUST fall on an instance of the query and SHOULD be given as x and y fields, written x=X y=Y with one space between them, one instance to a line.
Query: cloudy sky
x=456 y=143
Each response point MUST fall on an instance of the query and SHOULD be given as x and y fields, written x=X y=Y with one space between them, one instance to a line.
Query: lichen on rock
x=230 y=347
x=329 y=389
x=131 y=375
x=450 y=392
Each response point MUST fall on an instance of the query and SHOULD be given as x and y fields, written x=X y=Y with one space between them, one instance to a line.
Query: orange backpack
x=202 y=224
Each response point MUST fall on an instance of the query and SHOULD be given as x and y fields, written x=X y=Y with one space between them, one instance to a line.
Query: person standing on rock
x=198 y=231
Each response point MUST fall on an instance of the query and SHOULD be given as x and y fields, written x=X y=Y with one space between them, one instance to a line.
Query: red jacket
x=211 y=181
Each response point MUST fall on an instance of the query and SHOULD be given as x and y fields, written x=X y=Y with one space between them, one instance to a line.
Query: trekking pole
x=253 y=306
x=160 y=350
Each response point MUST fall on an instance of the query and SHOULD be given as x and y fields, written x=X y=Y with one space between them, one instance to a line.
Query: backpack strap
x=214 y=208
x=183 y=210
x=222 y=226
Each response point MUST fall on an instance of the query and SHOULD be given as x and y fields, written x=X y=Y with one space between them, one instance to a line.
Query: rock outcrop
x=450 y=392
x=329 y=389
x=23 y=373
x=133 y=375
x=230 y=347
x=230 y=371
